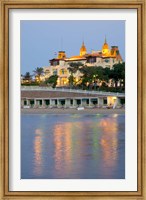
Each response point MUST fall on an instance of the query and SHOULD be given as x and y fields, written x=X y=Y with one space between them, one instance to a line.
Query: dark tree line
x=92 y=77
x=97 y=77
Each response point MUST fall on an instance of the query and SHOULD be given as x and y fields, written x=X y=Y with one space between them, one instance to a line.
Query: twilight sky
x=40 y=40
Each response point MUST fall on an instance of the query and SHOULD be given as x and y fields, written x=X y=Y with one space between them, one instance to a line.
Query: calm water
x=72 y=146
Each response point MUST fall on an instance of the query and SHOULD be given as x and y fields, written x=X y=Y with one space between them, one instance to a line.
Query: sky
x=42 y=39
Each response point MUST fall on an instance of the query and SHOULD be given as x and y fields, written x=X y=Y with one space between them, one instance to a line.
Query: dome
x=105 y=46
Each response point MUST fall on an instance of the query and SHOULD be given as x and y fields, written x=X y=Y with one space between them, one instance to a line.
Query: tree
x=118 y=74
x=52 y=80
x=93 y=75
x=71 y=80
x=27 y=77
x=103 y=75
x=73 y=68
x=123 y=74
x=89 y=74
x=39 y=71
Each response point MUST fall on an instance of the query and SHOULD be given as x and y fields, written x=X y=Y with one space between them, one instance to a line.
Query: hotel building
x=106 y=57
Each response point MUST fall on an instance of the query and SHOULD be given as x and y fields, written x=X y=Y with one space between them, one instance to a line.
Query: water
x=72 y=146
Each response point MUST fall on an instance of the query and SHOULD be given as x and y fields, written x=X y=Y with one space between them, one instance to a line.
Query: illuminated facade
x=106 y=57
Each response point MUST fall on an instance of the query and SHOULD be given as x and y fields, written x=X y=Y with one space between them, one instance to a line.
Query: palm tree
x=27 y=77
x=39 y=71
x=73 y=68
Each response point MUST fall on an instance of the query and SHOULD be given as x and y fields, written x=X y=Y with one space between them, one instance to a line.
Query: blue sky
x=41 y=39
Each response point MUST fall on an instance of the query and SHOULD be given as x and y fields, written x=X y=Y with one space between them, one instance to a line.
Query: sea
x=72 y=146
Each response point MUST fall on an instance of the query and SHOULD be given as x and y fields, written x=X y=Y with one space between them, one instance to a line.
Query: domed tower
x=83 y=50
x=105 y=49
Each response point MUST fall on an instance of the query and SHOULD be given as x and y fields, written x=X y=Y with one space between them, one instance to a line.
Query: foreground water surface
x=72 y=146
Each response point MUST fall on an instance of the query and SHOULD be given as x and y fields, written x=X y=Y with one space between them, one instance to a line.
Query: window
x=105 y=101
x=47 y=71
x=31 y=102
x=91 y=60
x=47 y=102
x=56 y=62
x=107 y=60
x=55 y=72
x=63 y=72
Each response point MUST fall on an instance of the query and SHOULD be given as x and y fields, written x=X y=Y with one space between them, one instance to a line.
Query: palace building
x=106 y=57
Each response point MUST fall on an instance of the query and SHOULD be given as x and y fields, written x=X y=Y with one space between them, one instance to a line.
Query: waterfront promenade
x=45 y=97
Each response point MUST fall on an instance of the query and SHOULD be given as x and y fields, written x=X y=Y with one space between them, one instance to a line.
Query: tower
x=83 y=50
x=105 y=49
x=61 y=55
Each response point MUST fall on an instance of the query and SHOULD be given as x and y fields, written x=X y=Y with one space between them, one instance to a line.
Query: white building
x=106 y=57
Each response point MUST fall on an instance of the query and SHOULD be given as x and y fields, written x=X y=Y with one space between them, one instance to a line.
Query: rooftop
x=53 y=94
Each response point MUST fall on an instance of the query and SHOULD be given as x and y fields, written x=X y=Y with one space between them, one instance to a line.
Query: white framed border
x=130 y=181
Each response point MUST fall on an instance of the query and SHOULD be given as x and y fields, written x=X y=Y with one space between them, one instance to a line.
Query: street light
x=94 y=76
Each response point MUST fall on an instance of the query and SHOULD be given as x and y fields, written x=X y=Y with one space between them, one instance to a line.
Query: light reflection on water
x=38 y=157
x=73 y=146
x=109 y=144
